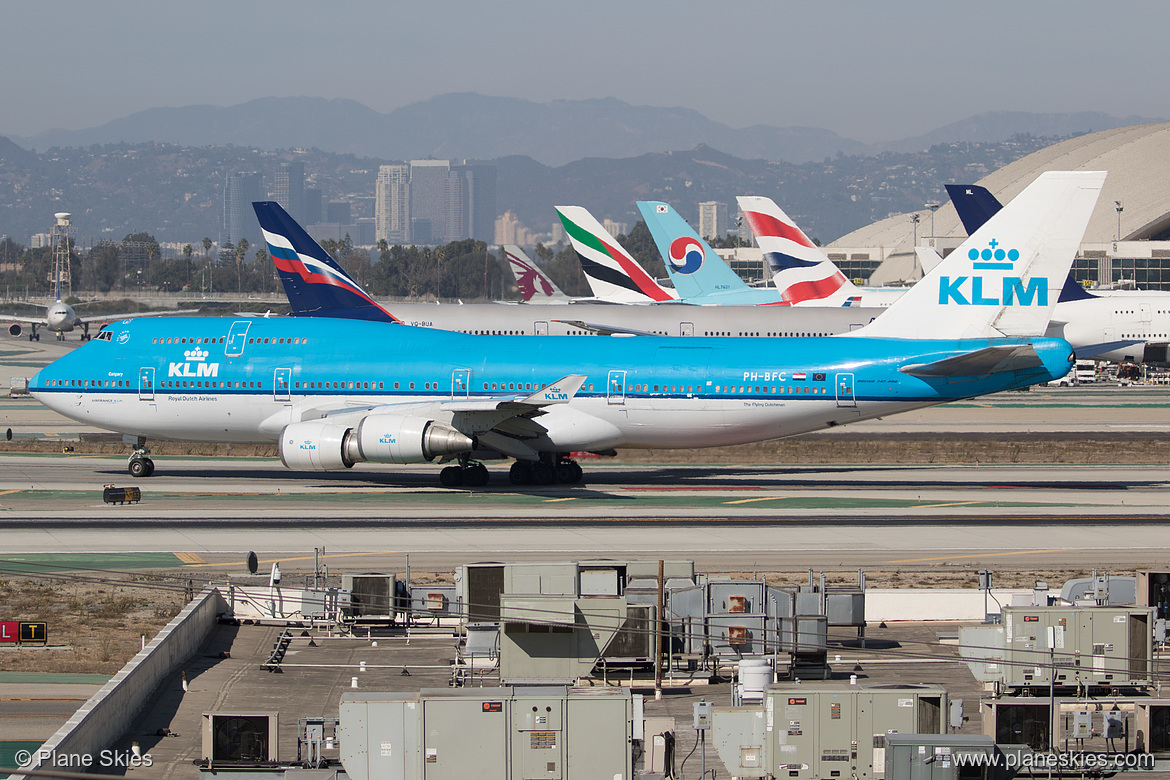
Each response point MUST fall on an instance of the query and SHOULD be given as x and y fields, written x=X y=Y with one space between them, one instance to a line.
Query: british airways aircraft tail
x=1006 y=277
x=612 y=273
x=800 y=269
x=316 y=286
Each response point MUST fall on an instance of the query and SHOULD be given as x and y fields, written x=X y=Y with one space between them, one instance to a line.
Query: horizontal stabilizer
x=1089 y=351
x=605 y=330
x=982 y=362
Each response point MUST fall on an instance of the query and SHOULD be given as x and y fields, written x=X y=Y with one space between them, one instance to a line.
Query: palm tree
x=241 y=249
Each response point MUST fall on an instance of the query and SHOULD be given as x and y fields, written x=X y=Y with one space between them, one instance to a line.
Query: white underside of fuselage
x=632 y=422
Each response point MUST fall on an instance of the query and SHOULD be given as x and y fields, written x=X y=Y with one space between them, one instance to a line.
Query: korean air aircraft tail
x=698 y=273
x=1006 y=277
x=535 y=285
x=316 y=286
x=800 y=269
x=613 y=274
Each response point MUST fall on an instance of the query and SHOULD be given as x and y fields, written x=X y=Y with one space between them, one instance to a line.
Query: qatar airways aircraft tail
x=613 y=274
x=535 y=285
x=1006 y=277
x=316 y=286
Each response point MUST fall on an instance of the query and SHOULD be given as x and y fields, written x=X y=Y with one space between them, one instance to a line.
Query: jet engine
x=15 y=330
x=318 y=445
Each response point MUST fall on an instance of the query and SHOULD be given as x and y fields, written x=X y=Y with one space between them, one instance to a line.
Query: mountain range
x=470 y=125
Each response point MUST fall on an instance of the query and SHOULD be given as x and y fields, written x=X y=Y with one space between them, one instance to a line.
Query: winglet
x=559 y=392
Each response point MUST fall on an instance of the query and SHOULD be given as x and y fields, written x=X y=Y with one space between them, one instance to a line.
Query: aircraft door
x=237 y=338
x=540 y=328
x=146 y=383
x=616 y=394
x=1147 y=314
x=461 y=383
x=845 y=391
x=280 y=385
x=686 y=329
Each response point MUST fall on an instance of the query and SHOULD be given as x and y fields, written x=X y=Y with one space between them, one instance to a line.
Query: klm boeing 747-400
x=333 y=392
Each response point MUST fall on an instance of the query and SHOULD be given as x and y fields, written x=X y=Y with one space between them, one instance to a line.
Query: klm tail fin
x=316 y=286
x=695 y=269
x=534 y=284
x=799 y=268
x=1006 y=277
x=975 y=205
x=612 y=273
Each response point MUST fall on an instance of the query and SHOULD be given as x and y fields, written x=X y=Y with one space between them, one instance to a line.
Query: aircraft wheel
x=543 y=474
x=476 y=476
x=138 y=467
x=568 y=472
x=149 y=467
x=520 y=473
x=452 y=476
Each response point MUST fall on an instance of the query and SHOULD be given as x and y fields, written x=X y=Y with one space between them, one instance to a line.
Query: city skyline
x=867 y=71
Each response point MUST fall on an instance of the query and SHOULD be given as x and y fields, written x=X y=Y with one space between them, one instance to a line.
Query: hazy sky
x=872 y=71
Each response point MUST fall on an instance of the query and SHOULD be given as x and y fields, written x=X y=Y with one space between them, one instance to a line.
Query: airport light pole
x=933 y=206
x=915 y=218
x=1120 y=208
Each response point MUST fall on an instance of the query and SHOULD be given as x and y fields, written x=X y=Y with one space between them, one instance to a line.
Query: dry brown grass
x=93 y=627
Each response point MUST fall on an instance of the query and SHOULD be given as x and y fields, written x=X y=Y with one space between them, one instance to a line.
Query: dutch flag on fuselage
x=799 y=268
x=316 y=286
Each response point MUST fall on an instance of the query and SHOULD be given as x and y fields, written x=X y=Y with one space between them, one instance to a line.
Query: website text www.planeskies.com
x=1067 y=761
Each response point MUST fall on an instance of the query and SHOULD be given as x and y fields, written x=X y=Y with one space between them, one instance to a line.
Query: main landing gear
x=140 y=465
x=468 y=473
x=543 y=472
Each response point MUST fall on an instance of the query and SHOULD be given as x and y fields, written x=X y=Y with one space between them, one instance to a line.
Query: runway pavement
x=724 y=515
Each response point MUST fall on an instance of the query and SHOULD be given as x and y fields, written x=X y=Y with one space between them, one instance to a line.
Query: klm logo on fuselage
x=202 y=369
x=980 y=291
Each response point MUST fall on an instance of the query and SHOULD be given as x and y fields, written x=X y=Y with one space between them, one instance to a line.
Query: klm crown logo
x=196 y=354
x=975 y=290
x=994 y=252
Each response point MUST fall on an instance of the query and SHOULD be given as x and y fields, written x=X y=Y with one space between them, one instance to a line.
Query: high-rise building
x=428 y=200
x=615 y=228
x=239 y=219
x=471 y=201
x=392 y=204
x=312 y=206
x=712 y=219
x=288 y=188
x=339 y=211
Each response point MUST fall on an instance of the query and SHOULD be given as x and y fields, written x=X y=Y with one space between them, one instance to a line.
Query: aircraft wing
x=500 y=423
x=116 y=317
x=981 y=362
x=605 y=330
x=25 y=320
x=1088 y=351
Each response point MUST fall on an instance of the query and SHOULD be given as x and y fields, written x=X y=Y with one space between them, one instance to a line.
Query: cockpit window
x=105 y=335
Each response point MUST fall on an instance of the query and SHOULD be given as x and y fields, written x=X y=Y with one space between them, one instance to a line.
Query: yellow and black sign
x=34 y=633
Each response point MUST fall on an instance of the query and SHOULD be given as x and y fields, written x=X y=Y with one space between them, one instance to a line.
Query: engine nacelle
x=15 y=329
x=318 y=445
x=392 y=438
x=315 y=445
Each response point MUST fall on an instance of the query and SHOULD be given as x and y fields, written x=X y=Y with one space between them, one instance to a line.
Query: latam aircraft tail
x=612 y=273
x=1006 y=277
x=316 y=286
